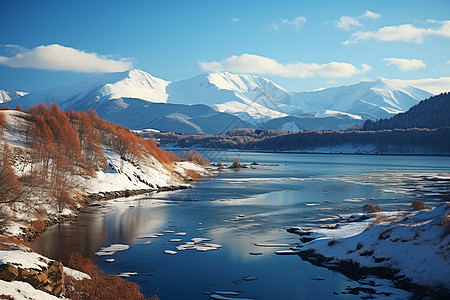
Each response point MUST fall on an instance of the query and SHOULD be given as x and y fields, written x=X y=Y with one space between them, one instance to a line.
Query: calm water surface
x=286 y=190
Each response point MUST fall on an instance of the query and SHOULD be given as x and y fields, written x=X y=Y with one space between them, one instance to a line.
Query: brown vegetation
x=446 y=221
x=369 y=208
x=419 y=205
x=195 y=157
x=100 y=285
x=8 y=242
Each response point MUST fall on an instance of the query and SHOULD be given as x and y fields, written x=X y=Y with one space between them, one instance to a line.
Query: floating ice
x=175 y=240
x=249 y=278
x=221 y=297
x=317 y=278
x=127 y=274
x=229 y=293
x=272 y=245
x=287 y=252
x=112 y=249
x=197 y=244
x=110 y=260
x=198 y=240
x=180 y=233
x=170 y=252
x=146 y=243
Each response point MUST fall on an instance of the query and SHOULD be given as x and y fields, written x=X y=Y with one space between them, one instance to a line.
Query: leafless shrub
x=369 y=208
x=419 y=205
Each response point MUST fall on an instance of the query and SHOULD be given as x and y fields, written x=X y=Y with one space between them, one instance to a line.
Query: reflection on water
x=238 y=210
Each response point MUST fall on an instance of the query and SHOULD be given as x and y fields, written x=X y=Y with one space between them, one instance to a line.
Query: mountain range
x=218 y=102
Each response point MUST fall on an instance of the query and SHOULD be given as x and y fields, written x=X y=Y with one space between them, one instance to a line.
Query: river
x=237 y=209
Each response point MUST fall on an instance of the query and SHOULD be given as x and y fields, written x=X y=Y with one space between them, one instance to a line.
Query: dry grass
x=192 y=174
x=5 y=240
x=100 y=286
x=37 y=225
x=369 y=208
x=419 y=205
x=446 y=220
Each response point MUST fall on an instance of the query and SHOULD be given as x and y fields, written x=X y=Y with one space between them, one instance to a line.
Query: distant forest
x=430 y=113
x=424 y=129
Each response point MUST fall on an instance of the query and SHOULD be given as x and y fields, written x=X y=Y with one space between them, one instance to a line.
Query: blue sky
x=301 y=45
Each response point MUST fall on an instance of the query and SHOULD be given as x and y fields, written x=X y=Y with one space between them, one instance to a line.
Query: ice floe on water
x=175 y=240
x=287 y=252
x=170 y=252
x=180 y=233
x=110 y=250
x=127 y=274
x=223 y=297
x=110 y=260
x=249 y=278
x=272 y=245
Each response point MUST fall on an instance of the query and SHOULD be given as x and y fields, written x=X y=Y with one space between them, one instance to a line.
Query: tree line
x=433 y=112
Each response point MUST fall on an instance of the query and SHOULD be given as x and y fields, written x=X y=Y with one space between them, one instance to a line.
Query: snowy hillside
x=7 y=96
x=379 y=99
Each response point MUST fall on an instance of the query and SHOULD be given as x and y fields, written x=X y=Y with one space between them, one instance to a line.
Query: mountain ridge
x=253 y=101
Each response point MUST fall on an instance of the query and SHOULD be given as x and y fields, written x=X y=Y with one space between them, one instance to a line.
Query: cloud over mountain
x=255 y=64
x=405 y=64
x=61 y=58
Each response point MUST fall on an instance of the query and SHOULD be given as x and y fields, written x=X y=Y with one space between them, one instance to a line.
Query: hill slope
x=430 y=113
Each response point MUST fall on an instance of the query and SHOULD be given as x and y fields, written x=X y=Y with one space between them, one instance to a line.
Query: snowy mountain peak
x=250 y=97
x=377 y=99
x=7 y=96
x=101 y=88
x=136 y=84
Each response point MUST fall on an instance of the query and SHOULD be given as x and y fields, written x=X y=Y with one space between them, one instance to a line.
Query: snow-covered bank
x=412 y=248
x=28 y=275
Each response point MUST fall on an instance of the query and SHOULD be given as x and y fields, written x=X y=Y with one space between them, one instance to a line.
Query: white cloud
x=255 y=64
x=347 y=23
x=370 y=15
x=432 y=85
x=60 y=58
x=297 y=23
x=405 y=33
x=405 y=64
x=350 y=23
x=235 y=20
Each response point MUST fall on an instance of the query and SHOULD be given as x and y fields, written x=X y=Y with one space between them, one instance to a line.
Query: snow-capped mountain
x=139 y=100
x=100 y=88
x=382 y=98
x=7 y=96
x=247 y=96
x=134 y=99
